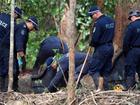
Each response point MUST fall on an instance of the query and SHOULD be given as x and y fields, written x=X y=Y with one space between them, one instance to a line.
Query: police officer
x=45 y=76
x=102 y=38
x=61 y=77
x=21 y=36
x=48 y=48
x=5 y=45
x=131 y=48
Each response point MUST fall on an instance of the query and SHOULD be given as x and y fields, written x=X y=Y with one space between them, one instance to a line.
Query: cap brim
x=89 y=14
x=34 y=24
x=129 y=18
x=35 y=27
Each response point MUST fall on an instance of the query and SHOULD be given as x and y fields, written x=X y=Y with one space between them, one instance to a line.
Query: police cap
x=93 y=10
x=134 y=13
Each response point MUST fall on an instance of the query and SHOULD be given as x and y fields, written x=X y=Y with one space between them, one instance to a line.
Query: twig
x=26 y=98
x=63 y=73
x=93 y=98
x=126 y=100
x=83 y=66
x=72 y=101
x=84 y=100
x=2 y=103
x=103 y=92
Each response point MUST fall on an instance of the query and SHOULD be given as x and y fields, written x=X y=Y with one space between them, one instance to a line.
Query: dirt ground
x=86 y=95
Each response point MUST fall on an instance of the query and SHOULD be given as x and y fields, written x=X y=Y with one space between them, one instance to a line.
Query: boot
x=130 y=83
x=3 y=84
x=6 y=83
x=106 y=83
x=15 y=83
x=95 y=78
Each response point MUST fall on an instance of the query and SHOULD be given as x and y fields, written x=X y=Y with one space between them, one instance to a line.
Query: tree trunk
x=121 y=18
x=100 y=3
x=11 y=54
x=71 y=33
x=68 y=32
x=121 y=11
x=118 y=29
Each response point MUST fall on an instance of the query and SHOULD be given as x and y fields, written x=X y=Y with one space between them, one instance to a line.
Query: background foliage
x=50 y=11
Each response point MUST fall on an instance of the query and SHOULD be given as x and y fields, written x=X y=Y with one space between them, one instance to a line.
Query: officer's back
x=135 y=26
x=4 y=25
x=55 y=43
x=108 y=28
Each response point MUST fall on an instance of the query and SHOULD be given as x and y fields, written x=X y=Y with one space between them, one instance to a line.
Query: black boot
x=130 y=83
x=95 y=78
x=106 y=82
x=3 y=84
x=15 y=83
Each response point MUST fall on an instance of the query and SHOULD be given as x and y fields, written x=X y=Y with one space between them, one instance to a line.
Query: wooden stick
x=83 y=66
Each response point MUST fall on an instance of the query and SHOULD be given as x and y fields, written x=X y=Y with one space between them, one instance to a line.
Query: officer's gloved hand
x=20 y=54
x=21 y=60
x=54 y=65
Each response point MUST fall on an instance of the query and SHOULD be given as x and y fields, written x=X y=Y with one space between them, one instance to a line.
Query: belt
x=110 y=42
x=137 y=46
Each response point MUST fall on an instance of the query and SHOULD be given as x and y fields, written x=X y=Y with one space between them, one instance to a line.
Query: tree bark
x=100 y=3
x=118 y=29
x=71 y=32
x=11 y=54
x=68 y=32
x=121 y=17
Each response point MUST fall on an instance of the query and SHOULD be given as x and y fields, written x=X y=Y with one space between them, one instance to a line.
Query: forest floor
x=85 y=95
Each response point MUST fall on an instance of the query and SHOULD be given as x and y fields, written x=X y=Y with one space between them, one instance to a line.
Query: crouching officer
x=61 y=77
x=22 y=35
x=131 y=48
x=102 y=38
x=48 y=48
x=5 y=46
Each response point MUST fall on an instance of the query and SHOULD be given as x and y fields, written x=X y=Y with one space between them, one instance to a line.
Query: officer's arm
x=127 y=39
x=20 y=39
x=96 y=35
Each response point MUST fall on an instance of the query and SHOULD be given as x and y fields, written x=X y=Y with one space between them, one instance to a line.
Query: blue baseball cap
x=34 y=20
x=133 y=13
x=18 y=11
x=93 y=10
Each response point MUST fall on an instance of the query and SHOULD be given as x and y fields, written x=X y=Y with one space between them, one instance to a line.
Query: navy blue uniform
x=46 y=77
x=22 y=35
x=48 y=48
x=4 y=48
x=61 y=76
x=102 y=38
x=4 y=43
x=131 y=48
x=4 y=32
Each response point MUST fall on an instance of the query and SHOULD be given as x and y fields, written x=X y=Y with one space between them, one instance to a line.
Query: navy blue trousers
x=132 y=62
x=101 y=64
x=4 y=66
x=61 y=76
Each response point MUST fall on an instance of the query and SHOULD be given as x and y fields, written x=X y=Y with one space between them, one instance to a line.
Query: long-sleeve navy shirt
x=132 y=36
x=103 y=31
x=21 y=34
x=4 y=28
